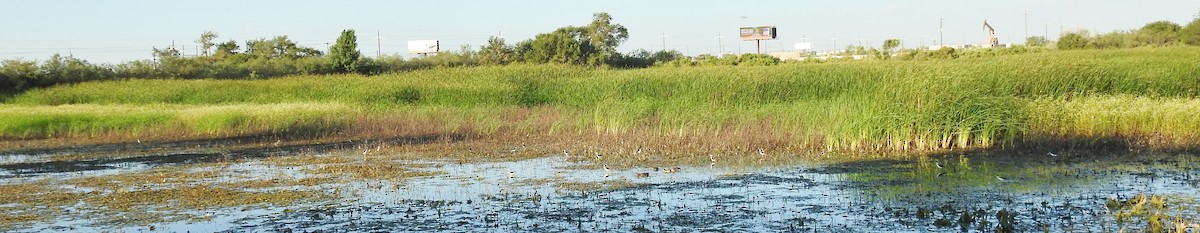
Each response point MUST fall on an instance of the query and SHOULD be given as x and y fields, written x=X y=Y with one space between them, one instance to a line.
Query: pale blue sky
x=122 y=30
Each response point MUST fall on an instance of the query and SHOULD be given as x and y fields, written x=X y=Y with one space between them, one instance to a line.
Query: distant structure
x=992 y=41
x=804 y=45
x=758 y=34
x=423 y=47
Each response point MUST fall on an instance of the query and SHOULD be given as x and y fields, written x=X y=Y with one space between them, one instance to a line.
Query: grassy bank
x=1138 y=95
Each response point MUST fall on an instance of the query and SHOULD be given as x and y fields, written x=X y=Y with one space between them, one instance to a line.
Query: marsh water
x=1007 y=192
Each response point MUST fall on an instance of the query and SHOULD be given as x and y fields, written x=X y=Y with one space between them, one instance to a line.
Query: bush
x=1072 y=41
x=757 y=60
x=1190 y=34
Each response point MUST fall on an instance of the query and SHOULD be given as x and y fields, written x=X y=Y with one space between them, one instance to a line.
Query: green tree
x=594 y=44
x=496 y=52
x=226 y=49
x=561 y=46
x=1159 y=33
x=206 y=41
x=344 y=54
x=1072 y=41
x=890 y=44
x=604 y=37
x=1190 y=34
x=1037 y=41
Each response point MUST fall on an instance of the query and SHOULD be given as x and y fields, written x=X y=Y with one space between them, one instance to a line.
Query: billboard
x=422 y=46
x=758 y=33
x=804 y=46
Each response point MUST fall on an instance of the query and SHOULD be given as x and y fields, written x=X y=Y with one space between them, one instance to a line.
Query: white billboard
x=422 y=46
x=803 y=46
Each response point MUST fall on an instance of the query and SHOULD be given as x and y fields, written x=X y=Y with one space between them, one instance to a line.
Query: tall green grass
x=238 y=119
x=870 y=105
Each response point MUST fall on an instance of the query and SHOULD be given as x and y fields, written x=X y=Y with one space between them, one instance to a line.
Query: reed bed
x=851 y=106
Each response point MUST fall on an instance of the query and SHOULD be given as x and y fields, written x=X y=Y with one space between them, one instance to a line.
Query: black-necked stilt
x=565 y=154
x=939 y=165
x=712 y=159
x=598 y=155
x=1051 y=154
x=606 y=168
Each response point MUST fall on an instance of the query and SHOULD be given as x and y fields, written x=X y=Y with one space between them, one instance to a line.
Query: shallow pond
x=987 y=193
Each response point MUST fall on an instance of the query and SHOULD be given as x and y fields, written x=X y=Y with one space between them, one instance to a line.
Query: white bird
x=1000 y=178
x=277 y=142
x=712 y=159
x=598 y=155
x=762 y=152
x=1051 y=154
x=606 y=168
x=512 y=175
x=565 y=154
x=639 y=151
x=939 y=165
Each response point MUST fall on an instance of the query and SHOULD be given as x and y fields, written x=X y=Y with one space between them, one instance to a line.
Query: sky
x=116 y=31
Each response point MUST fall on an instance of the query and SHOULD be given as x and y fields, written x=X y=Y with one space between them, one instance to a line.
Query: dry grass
x=587 y=187
x=26 y=203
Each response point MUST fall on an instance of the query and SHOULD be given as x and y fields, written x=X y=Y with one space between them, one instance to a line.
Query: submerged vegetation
x=1138 y=97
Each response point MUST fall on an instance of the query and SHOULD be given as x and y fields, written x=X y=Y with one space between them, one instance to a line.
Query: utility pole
x=720 y=44
x=378 y=45
x=941 y=37
x=1026 y=23
x=1046 y=33
x=664 y=41
x=835 y=44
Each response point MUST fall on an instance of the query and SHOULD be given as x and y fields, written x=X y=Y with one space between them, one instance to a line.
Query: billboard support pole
x=758 y=44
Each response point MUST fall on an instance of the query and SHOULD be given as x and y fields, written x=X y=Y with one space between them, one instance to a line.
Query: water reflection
x=942 y=193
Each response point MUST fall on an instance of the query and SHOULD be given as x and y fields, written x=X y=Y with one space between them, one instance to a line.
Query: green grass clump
x=21 y=121
x=869 y=105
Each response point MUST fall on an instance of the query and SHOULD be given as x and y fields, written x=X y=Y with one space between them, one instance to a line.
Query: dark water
x=984 y=193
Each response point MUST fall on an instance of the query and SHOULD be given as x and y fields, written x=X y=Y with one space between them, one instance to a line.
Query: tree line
x=593 y=44
x=1158 y=33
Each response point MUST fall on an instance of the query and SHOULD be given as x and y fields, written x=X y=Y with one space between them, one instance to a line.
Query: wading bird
x=1051 y=154
x=1000 y=178
x=512 y=175
x=565 y=154
x=762 y=152
x=939 y=165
